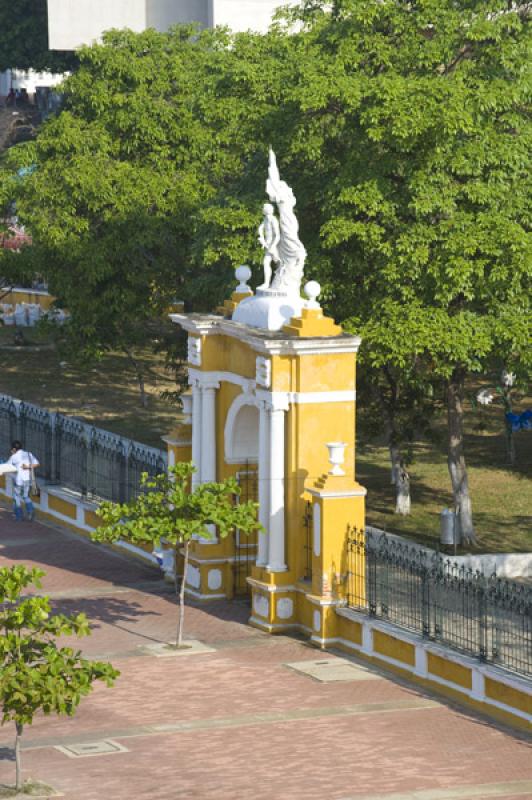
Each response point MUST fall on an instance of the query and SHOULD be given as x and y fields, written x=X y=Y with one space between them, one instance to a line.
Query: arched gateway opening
x=241 y=440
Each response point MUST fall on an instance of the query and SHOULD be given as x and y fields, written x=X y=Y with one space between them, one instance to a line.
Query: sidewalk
x=236 y=722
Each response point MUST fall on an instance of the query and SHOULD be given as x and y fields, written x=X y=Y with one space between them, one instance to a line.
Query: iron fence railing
x=485 y=617
x=97 y=463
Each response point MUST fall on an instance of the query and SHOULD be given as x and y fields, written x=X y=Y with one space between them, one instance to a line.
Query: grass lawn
x=501 y=497
x=107 y=395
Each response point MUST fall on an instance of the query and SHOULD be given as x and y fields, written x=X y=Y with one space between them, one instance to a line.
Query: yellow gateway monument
x=272 y=402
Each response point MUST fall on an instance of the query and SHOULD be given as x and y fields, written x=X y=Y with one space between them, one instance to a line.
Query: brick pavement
x=237 y=722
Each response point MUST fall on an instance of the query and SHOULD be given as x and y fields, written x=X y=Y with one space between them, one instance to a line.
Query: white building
x=72 y=23
x=26 y=79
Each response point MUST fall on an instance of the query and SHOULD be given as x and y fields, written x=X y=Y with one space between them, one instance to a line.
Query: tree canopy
x=404 y=129
x=24 y=38
x=38 y=675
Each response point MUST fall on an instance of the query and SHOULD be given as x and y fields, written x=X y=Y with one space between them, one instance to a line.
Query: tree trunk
x=395 y=459
x=456 y=459
x=182 y=598
x=18 y=761
x=399 y=475
x=510 y=444
x=402 y=485
x=510 y=439
x=140 y=377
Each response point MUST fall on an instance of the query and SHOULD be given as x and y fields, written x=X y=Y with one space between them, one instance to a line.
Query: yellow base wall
x=28 y=296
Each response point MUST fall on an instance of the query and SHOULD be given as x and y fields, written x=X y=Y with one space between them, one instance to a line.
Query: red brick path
x=237 y=723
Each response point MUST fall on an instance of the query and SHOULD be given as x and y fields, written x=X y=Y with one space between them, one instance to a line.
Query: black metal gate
x=245 y=546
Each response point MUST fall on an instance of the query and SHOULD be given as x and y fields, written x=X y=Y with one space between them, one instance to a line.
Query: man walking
x=24 y=462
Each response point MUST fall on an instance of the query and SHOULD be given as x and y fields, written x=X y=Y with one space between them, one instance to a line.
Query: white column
x=208 y=442
x=276 y=556
x=264 y=482
x=196 y=432
x=208 y=433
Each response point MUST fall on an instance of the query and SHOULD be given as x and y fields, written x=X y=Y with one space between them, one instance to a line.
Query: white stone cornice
x=201 y=325
x=304 y=346
x=265 y=342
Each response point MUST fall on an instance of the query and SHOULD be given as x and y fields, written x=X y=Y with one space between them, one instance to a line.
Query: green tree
x=169 y=510
x=24 y=38
x=36 y=674
x=413 y=127
x=404 y=130
x=115 y=204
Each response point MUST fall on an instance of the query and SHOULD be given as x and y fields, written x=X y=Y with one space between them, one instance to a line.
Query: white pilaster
x=208 y=441
x=264 y=482
x=196 y=431
x=276 y=555
x=208 y=433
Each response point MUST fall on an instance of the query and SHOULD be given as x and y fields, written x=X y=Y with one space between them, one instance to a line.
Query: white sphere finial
x=312 y=290
x=243 y=274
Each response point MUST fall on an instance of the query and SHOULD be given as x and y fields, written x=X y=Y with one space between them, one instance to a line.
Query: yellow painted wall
x=349 y=630
x=225 y=354
x=389 y=646
x=508 y=695
x=28 y=296
x=92 y=519
x=325 y=372
x=62 y=506
x=449 y=671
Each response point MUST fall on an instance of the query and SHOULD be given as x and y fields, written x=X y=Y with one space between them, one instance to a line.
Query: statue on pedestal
x=280 y=238
x=279 y=299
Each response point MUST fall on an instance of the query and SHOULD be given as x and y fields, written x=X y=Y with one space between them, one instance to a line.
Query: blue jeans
x=21 y=492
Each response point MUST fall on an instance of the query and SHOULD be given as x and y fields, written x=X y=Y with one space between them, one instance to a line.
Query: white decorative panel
x=214 y=579
x=194 y=350
x=264 y=371
x=316 y=528
x=193 y=576
x=261 y=605
x=285 y=608
x=316 y=621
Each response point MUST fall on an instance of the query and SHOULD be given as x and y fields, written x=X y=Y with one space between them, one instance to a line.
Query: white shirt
x=20 y=458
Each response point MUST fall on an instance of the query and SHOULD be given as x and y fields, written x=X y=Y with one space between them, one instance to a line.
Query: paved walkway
x=237 y=722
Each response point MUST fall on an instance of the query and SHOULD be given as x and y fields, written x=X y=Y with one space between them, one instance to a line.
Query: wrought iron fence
x=97 y=463
x=485 y=617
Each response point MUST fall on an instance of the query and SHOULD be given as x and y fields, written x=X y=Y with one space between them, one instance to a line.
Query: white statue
x=290 y=249
x=269 y=237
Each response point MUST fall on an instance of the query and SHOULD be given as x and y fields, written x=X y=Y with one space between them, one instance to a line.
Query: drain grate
x=104 y=747
x=327 y=670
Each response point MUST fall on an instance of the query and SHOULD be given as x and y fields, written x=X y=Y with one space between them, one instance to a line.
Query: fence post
x=371 y=566
x=86 y=446
x=19 y=423
x=122 y=472
x=482 y=616
x=53 y=454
